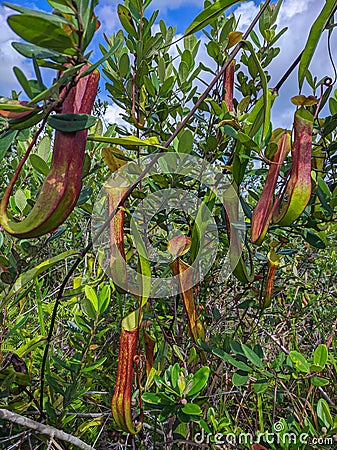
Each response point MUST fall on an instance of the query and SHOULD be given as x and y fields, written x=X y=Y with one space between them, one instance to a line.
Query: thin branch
x=133 y=187
x=298 y=59
x=287 y=74
x=43 y=429
x=286 y=351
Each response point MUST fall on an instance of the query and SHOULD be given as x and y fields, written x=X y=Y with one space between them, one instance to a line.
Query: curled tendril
x=327 y=81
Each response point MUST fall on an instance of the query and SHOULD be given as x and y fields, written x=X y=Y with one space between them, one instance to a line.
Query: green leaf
x=240 y=378
x=260 y=386
x=267 y=96
x=21 y=77
x=36 y=13
x=31 y=50
x=6 y=140
x=44 y=146
x=94 y=366
x=91 y=296
x=43 y=32
x=61 y=81
x=28 y=276
x=16 y=107
x=323 y=412
x=208 y=15
x=104 y=298
x=39 y=164
x=299 y=361
x=200 y=379
x=319 y=381
x=126 y=20
x=313 y=239
x=315 y=368
x=185 y=142
x=127 y=141
x=151 y=398
x=20 y=199
x=70 y=123
x=236 y=363
x=107 y=55
x=313 y=38
x=252 y=356
x=124 y=65
x=191 y=408
x=321 y=355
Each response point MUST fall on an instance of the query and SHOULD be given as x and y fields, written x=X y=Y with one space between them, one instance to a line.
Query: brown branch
x=41 y=428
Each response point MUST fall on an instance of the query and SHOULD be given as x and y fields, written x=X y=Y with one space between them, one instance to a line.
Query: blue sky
x=298 y=15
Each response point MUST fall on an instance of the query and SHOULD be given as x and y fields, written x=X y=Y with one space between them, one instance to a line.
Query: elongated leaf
x=21 y=77
x=62 y=81
x=42 y=32
x=28 y=276
x=208 y=15
x=324 y=414
x=236 y=363
x=94 y=366
x=314 y=35
x=107 y=55
x=131 y=141
x=321 y=355
x=34 y=12
x=6 y=140
x=70 y=123
x=313 y=239
x=267 y=99
x=252 y=356
x=31 y=50
x=126 y=20
x=16 y=107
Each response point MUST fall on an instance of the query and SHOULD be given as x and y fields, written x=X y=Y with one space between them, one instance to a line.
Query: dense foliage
x=195 y=188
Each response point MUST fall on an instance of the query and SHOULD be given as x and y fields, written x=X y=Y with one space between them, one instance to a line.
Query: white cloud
x=113 y=115
x=246 y=13
x=291 y=8
x=165 y=5
x=107 y=14
x=298 y=16
x=9 y=57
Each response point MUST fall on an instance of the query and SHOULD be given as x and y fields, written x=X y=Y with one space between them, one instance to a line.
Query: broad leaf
x=321 y=355
x=69 y=123
x=42 y=32
x=200 y=379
